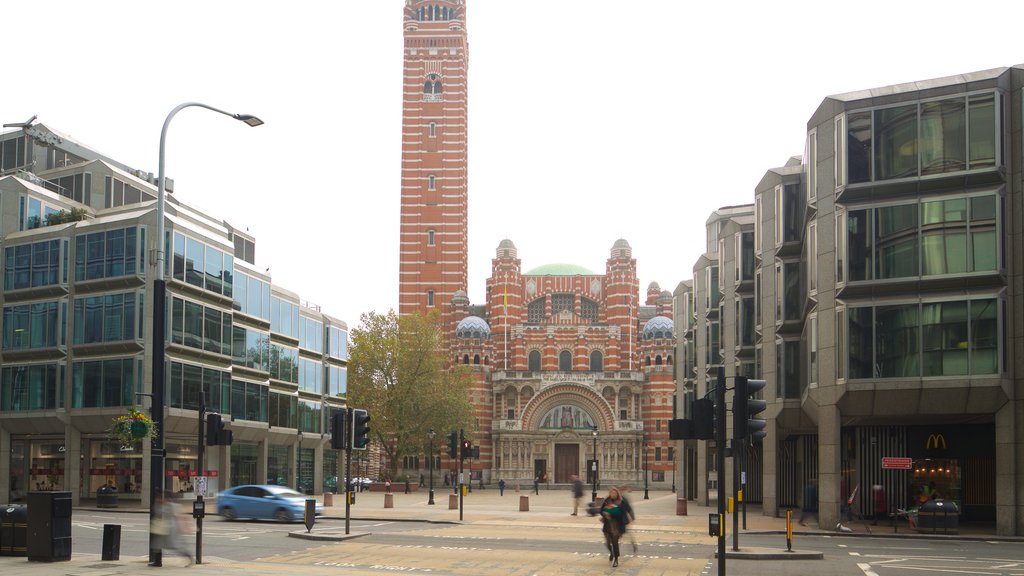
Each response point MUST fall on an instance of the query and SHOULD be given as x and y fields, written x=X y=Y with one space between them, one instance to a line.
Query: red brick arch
x=568 y=393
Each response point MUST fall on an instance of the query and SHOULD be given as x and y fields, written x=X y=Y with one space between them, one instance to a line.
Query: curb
x=327 y=537
x=767 y=554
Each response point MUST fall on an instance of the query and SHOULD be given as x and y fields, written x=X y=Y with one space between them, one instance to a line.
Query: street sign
x=897 y=463
x=199 y=485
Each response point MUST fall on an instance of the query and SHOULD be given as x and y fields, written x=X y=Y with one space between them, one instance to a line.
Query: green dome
x=559 y=270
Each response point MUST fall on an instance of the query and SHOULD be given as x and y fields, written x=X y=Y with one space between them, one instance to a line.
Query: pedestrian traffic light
x=467 y=449
x=453 y=444
x=339 y=430
x=744 y=408
x=216 y=435
x=360 y=429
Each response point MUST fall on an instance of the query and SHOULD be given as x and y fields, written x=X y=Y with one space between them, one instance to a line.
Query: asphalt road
x=499 y=548
x=866 y=556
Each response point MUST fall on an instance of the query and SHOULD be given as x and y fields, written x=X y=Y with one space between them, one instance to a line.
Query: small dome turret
x=472 y=327
x=657 y=328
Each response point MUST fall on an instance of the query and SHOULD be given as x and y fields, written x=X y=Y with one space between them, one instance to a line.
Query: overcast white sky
x=590 y=120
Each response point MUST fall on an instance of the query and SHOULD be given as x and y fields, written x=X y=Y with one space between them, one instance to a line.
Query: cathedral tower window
x=433 y=129
x=565 y=361
x=432 y=88
x=533 y=363
x=431 y=182
x=430 y=297
x=535 y=311
x=596 y=361
x=430 y=237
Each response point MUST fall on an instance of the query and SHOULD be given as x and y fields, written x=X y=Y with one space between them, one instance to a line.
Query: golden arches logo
x=935 y=441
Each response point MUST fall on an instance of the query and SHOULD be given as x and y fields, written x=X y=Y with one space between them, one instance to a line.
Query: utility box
x=49 y=526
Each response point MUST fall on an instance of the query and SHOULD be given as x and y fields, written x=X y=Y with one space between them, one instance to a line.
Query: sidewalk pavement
x=549 y=509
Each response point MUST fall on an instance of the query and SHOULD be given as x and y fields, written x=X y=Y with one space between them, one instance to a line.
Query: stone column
x=224 y=468
x=5 y=465
x=318 y=468
x=293 y=463
x=1008 y=482
x=829 y=465
x=72 y=462
x=261 y=460
x=770 y=463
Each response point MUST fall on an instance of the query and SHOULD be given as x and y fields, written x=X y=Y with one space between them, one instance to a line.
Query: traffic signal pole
x=462 y=460
x=202 y=468
x=720 y=445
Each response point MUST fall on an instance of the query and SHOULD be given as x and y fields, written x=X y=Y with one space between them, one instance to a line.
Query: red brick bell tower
x=434 y=236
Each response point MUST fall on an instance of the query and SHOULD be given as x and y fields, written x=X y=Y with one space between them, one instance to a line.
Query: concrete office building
x=887 y=292
x=78 y=246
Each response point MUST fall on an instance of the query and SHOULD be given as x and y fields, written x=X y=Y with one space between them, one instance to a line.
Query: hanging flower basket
x=130 y=427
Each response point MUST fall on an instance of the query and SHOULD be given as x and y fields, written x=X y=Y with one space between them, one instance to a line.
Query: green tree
x=398 y=371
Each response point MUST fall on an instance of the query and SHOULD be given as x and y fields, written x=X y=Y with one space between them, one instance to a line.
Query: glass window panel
x=195 y=262
x=179 y=257
x=895 y=142
x=861 y=339
x=943 y=136
x=944 y=338
x=944 y=253
x=982 y=122
x=897 y=341
x=859 y=147
x=984 y=250
x=227 y=276
x=896 y=241
x=984 y=336
x=214 y=270
x=983 y=208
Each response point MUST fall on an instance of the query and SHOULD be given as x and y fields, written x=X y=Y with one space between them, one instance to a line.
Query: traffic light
x=744 y=408
x=467 y=449
x=700 y=427
x=339 y=430
x=360 y=429
x=453 y=444
x=216 y=435
x=704 y=419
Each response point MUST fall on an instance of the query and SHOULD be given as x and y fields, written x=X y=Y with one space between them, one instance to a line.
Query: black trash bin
x=106 y=497
x=13 y=530
x=938 y=516
x=49 y=526
x=111 y=542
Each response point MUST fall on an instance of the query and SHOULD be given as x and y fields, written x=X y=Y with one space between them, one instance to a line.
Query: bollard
x=111 y=542
x=680 y=506
x=453 y=502
x=389 y=500
x=328 y=499
x=524 y=503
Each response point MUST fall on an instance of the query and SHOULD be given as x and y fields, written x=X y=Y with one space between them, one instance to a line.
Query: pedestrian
x=848 y=499
x=612 y=523
x=810 y=506
x=577 y=494
x=421 y=480
x=881 y=504
x=536 y=484
x=167 y=528
x=445 y=479
x=387 y=485
x=501 y=487
x=627 y=516
x=407 y=490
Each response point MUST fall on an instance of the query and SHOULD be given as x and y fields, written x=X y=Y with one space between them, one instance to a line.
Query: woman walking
x=612 y=516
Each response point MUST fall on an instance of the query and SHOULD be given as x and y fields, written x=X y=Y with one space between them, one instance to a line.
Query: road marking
x=85 y=526
x=867 y=569
x=945 y=570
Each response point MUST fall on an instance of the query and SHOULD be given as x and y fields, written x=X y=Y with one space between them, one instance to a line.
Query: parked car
x=266 y=502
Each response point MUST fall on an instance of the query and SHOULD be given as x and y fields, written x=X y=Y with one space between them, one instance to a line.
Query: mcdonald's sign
x=935 y=442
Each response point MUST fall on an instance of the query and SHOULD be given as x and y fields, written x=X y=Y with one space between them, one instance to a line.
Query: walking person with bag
x=577 y=494
x=612 y=519
x=167 y=527
x=627 y=516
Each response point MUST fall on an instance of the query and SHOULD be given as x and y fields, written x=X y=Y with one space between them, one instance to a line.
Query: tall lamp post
x=593 y=467
x=647 y=496
x=431 y=435
x=156 y=461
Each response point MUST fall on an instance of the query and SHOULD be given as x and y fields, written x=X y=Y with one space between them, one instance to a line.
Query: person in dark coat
x=536 y=484
x=612 y=523
x=577 y=494
x=501 y=487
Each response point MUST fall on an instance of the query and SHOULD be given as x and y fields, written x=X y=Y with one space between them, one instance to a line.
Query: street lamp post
x=593 y=466
x=646 y=495
x=156 y=461
x=431 y=435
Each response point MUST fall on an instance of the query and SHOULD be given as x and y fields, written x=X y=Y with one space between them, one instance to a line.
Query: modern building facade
x=433 y=253
x=887 y=295
x=78 y=241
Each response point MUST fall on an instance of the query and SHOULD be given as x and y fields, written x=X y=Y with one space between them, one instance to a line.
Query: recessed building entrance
x=567 y=462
